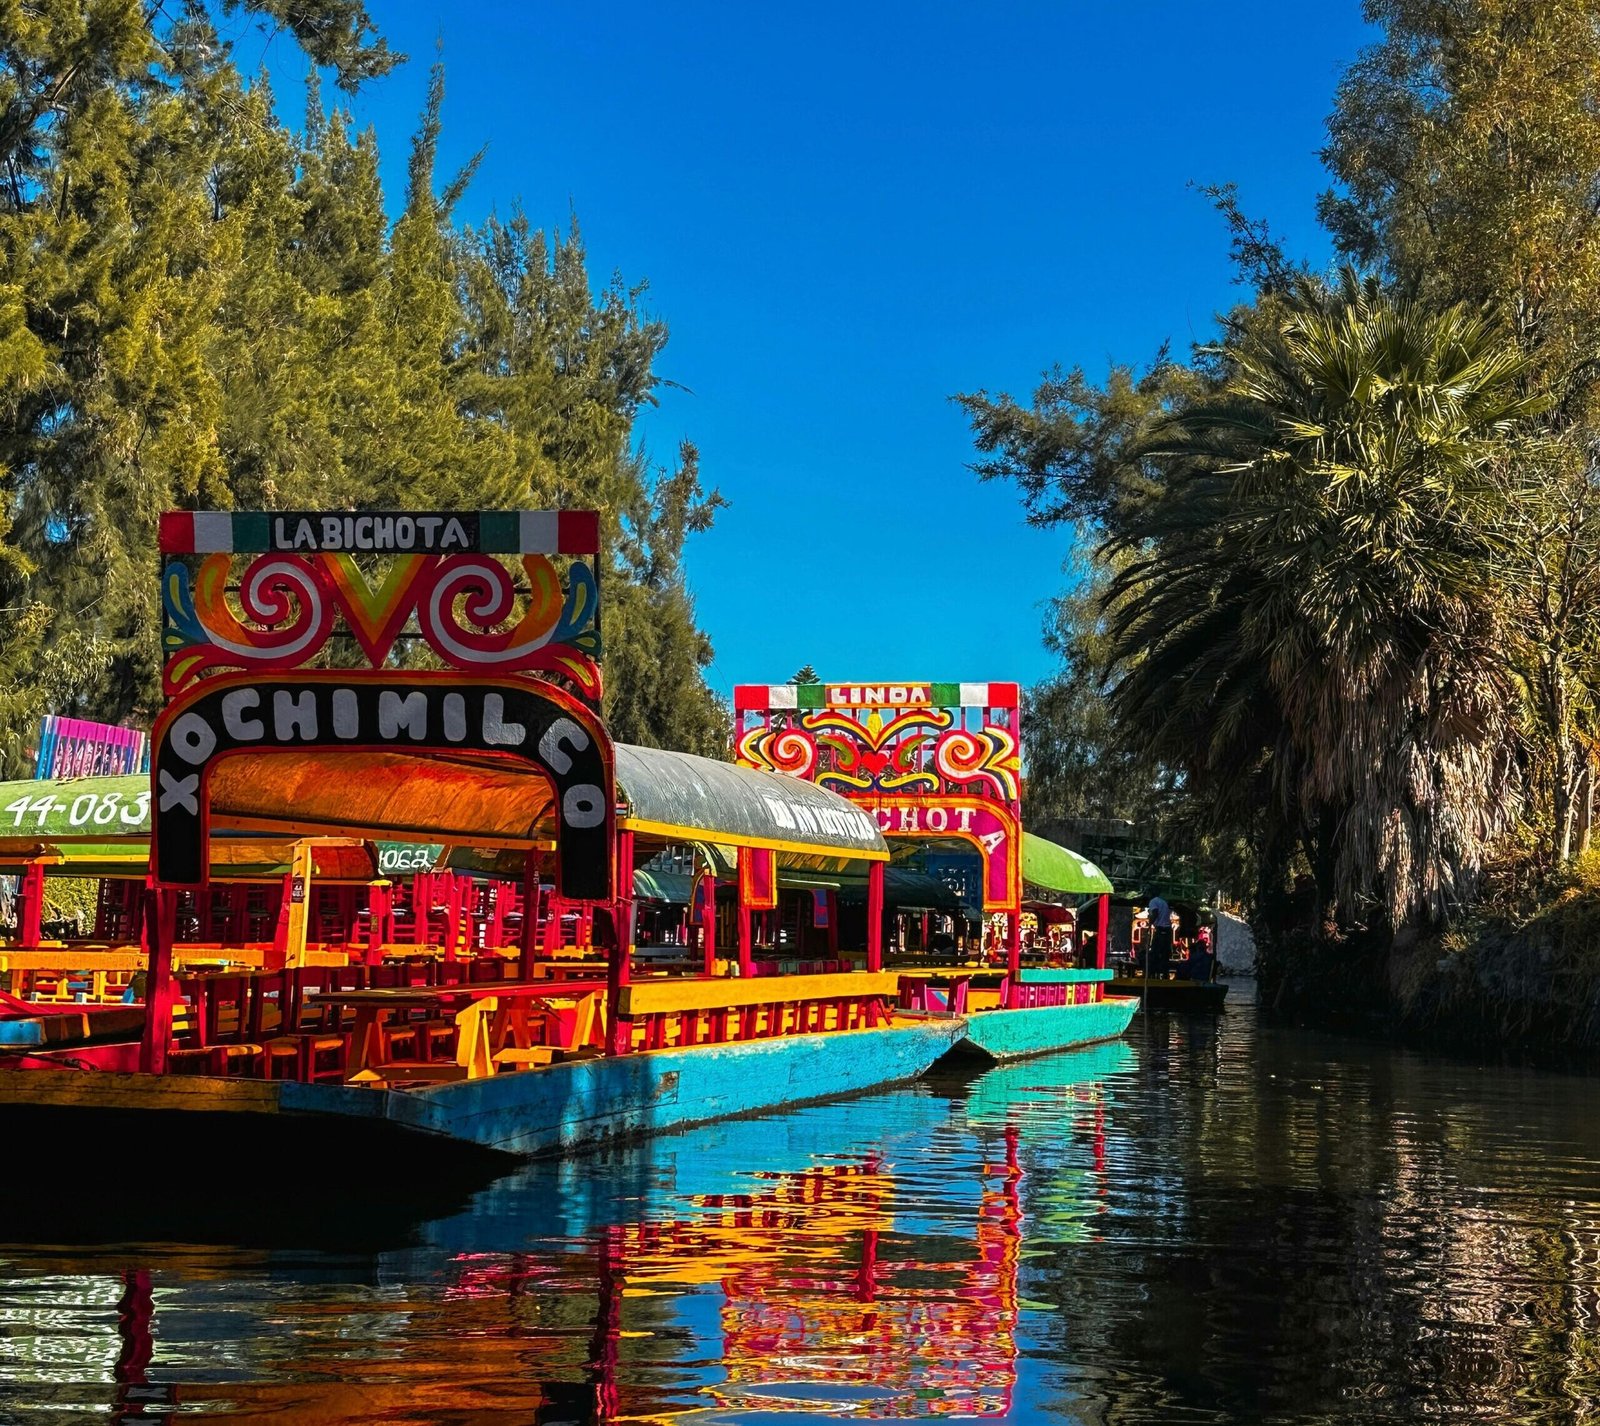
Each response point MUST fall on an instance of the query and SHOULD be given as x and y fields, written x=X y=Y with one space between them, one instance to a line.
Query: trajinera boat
x=375 y=903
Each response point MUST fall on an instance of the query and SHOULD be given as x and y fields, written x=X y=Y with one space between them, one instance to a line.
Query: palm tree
x=1309 y=617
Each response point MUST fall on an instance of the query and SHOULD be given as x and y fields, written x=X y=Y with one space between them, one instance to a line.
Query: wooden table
x=489 y=1012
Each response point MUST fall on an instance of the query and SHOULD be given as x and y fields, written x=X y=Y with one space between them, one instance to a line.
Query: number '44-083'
x=87 y=809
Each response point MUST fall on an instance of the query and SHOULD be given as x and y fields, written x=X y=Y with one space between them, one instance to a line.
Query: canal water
x=1210 y=1221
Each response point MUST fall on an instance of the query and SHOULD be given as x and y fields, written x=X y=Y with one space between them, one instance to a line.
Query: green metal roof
x=700 y=800
x=904 y=890
x=1057 y=868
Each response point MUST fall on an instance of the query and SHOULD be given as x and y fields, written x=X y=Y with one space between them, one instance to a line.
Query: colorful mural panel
x=484 y=592
x=935 y=761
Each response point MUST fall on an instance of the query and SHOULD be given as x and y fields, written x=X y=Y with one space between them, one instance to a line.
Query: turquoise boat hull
x=551 y=1110
x=547 y=1111
x=565 y=1106
x=1014 y=1034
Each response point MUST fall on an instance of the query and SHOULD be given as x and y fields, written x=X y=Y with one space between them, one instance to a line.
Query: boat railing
x=669 y=1014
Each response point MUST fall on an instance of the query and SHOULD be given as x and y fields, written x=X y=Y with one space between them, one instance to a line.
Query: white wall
x=1236 y=947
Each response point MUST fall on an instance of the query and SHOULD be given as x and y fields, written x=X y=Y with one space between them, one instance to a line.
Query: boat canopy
x=102 y=824
x=905 y=889
x=672 y=887
x=1057 y=868
x=697 y=800
x=404 y=797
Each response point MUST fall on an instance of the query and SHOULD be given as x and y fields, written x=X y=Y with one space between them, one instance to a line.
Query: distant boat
x=1161 y=994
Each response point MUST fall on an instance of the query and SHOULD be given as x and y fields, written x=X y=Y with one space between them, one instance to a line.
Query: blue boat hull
x=1013 y=1034
x=568 y=1105
x=562 y=1106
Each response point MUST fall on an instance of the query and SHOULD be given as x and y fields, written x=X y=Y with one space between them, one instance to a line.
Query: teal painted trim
x=1010 y=1034
x=251 y=530
x=21 y=1033
x=1064 y=977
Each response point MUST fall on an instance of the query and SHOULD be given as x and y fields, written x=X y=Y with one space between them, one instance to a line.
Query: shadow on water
x=1208 y=1221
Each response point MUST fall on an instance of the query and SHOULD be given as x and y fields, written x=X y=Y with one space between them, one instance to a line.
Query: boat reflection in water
x=857 y=1259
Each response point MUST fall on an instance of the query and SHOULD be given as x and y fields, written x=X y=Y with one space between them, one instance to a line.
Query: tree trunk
x=1562 y=776
x=1585 y=806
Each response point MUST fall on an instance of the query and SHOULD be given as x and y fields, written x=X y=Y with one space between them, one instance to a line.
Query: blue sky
x=846 y=213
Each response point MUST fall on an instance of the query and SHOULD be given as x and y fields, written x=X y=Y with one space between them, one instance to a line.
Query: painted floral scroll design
x=919 y=750
x=467 y=609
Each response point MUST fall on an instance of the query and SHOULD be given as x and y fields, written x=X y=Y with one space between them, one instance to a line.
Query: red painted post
x=746 y=929
x=875 y=916
x=1013 y=944
x=619 y=960
x=494 y=938
x=277 y=958
x=379 y=916
x=708 y=924
x=1102 y=931
x=528 y=945
x=161 y=990
x=30 y=905
x=455 y=915
x=746 y=939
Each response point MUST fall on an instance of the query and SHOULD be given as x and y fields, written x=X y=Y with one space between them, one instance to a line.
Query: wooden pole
x=528 y=942
x=875 y=916
x=746 y=936
x=1014 y=943
x=299 y=904
x=552 y=922
x=379 y=919
x=708 y=923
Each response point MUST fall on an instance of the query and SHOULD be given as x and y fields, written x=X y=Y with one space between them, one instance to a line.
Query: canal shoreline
x=1491 y=994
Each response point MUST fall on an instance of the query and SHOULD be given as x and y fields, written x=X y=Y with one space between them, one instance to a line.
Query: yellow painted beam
x=299 y=904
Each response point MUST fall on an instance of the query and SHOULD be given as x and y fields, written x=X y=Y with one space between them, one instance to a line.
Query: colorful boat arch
x=354 y=737
x=930 y=762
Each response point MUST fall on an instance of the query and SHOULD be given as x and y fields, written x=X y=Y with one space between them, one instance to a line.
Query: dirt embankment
x=1496 y=983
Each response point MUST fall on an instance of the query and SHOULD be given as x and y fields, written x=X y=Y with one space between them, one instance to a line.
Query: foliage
x=1347 y=568
x=1464 y=147
x=1306 y=621
x=201 y=308
x=71 y=898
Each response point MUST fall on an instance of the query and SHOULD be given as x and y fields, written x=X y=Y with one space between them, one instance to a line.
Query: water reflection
x=1207 y=1222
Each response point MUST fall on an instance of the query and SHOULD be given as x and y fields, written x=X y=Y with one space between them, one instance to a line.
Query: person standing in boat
x=1160 y=936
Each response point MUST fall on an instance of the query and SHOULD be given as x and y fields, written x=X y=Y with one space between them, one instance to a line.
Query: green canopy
x=673 y=887
x=1054 y=868
x=904 y=890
